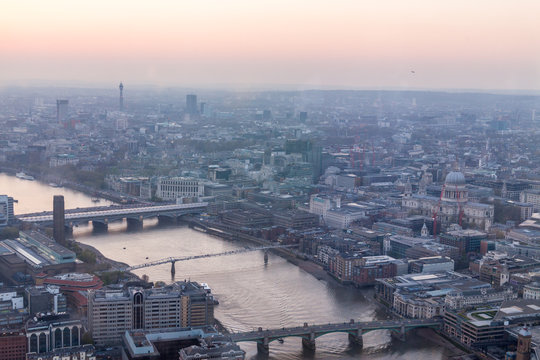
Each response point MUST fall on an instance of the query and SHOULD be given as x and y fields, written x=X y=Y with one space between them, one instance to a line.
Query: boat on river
x=22 y=175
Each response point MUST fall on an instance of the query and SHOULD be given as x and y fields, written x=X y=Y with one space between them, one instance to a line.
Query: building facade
x=179 y=187
x=113 y=312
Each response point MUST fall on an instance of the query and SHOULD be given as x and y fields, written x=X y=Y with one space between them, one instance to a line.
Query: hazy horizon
x=416 y=45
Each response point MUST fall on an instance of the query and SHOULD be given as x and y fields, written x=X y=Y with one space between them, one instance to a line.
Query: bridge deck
x=318 y=330
x=115 y=212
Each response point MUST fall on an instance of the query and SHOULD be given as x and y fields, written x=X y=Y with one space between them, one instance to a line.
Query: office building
x=6 y=211
x=113 y=312
x=179 y=187
x=62 y=108
x=191 y=105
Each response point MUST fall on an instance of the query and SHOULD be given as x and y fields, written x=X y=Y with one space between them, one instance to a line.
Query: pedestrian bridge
x=355 y=330
x=104 y=215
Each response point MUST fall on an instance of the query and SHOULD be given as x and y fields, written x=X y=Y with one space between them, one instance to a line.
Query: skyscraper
x=58 y=219
x=61 y=110
x=121 y=104
x=191 y=104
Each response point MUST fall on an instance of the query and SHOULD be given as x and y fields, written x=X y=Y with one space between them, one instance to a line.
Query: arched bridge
x=104 y=215
x=355 y=330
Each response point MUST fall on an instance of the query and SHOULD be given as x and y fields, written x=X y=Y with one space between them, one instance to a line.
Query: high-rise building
x=113 y=312
x=6 y=210
x=121 y=104
x=191 y=104
x=62 y=107
x=58 y=219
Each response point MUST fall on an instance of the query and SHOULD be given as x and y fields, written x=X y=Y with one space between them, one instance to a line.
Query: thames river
x=250 y=292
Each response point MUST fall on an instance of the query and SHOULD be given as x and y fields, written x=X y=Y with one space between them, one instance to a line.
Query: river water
x=251 y=293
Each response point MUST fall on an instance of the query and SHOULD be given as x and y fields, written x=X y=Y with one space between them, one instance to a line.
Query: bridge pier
x=100 y=226
x=173 y=269
x=263 y=347
x=134 y=224
x=309 y=343
x=356 y=339
x=167 y=220
x=68 y=230
x=399 y=335
x=266 y=256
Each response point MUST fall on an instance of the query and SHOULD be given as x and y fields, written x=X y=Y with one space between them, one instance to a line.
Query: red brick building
x=13 y=345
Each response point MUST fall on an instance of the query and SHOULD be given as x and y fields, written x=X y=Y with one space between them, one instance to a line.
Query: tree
x=86 y=338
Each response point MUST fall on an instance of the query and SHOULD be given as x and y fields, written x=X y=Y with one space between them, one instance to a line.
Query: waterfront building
x=371 y=268
x=184 y=344
x=238 y=218
x=295 y=219
x=476 y=327
x=454 y=201
x=113 y=312
x=63 y=160
x=428 y=295
x=179 y=187
x=6 y=211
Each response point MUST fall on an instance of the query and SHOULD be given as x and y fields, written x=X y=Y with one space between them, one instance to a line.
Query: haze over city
x=417 y=44
x=269 y=180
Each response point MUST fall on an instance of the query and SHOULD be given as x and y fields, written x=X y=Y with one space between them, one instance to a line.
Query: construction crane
x=186 y=258
x=436 y=210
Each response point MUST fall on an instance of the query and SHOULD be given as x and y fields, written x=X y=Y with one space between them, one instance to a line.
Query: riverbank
x=317 y=271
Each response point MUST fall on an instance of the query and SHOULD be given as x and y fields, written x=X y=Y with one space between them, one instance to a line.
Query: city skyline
x=316 y=44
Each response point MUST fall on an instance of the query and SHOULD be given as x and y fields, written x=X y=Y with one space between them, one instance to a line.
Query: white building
x=531 y=196
x=178 y=187
x=532 y=291
x=320 y=205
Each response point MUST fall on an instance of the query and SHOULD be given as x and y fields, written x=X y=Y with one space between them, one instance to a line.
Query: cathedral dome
x=455 y=178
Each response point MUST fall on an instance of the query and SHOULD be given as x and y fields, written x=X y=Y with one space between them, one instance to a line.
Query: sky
x=356 y=44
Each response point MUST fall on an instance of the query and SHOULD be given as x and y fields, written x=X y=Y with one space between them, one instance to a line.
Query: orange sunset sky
x=458 y=44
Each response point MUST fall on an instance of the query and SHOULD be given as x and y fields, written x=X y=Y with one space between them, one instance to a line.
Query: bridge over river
x=355 y=330
x=101 y=216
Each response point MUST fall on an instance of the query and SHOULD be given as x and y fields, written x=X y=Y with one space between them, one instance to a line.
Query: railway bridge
x=101 y=216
